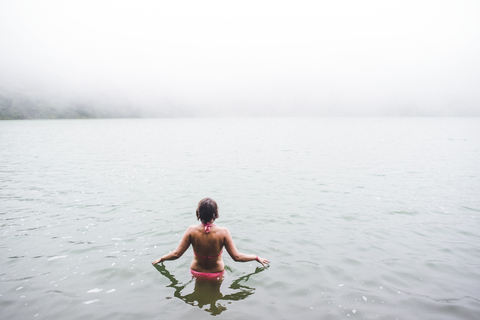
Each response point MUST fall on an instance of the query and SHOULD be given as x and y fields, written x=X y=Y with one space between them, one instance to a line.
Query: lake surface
x=361 y=218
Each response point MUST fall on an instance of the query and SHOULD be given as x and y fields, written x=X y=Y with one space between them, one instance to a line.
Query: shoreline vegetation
x=19 y=107
x=27 y=106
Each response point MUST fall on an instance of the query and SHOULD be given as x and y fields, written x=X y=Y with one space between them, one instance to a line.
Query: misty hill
x=15 y=106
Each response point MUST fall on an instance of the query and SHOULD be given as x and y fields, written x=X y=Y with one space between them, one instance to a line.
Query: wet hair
x=207 y=210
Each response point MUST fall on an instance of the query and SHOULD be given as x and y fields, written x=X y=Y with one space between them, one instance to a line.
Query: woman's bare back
x=207 y=248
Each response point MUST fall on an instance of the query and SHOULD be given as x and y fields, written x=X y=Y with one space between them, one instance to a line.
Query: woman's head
x=207 y=210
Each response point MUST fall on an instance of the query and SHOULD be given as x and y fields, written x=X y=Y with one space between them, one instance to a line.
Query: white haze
x=247 y=58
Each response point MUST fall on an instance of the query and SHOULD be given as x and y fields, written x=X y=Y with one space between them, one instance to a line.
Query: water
x=361 y=218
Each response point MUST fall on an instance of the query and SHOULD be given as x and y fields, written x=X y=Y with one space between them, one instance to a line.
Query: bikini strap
x=207 y=227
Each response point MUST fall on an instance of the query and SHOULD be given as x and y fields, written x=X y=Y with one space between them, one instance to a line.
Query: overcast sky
x=226 y=58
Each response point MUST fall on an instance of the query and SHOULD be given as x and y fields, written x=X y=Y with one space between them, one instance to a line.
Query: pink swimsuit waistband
x=207 y=275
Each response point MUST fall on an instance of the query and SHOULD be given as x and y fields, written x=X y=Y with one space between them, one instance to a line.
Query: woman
x=208 y=241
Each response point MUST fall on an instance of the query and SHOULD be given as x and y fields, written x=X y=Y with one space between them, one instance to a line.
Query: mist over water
x=273 y=58
x=368 y=218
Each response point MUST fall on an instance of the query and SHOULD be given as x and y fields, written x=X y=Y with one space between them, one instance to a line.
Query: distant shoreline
x=25 y=108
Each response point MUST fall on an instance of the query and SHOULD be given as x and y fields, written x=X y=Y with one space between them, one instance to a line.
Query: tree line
x=16 y=107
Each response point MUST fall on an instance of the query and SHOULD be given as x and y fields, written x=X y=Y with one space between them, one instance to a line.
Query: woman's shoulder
x=196 y=228
x=193 y=228
x=222 y=229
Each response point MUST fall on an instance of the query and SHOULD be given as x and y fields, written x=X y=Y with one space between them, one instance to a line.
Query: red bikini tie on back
x=207 y=227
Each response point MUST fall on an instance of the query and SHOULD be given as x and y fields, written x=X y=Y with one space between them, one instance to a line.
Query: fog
x=248 y=58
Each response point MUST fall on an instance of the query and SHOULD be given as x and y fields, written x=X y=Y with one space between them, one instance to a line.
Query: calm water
x=361 y=218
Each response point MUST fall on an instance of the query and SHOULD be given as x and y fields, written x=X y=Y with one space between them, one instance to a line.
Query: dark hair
x=207 y=210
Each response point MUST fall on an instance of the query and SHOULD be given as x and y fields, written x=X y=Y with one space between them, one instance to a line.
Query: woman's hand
x=263 y=261
x=157 y=261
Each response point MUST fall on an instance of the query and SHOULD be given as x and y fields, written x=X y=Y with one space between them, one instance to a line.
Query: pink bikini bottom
x=207 y=275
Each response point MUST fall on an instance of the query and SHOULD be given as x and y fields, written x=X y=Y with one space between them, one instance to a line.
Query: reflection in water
x=207 y=292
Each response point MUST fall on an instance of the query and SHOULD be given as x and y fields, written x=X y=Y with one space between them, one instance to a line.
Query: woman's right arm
x=179 y=251
x=238 y=256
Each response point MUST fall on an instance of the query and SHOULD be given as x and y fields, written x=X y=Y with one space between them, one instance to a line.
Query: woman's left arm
x=179 y=251
x=238 y=256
